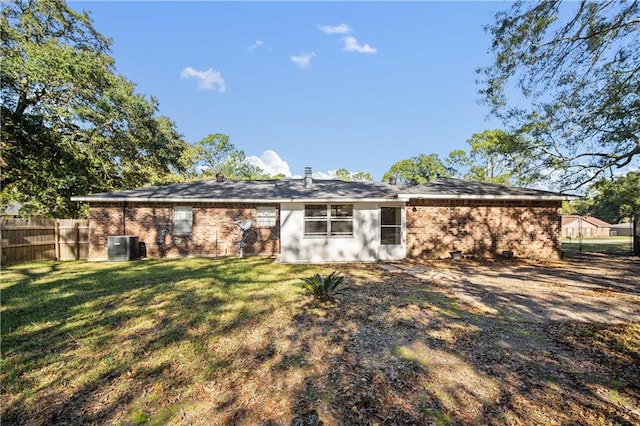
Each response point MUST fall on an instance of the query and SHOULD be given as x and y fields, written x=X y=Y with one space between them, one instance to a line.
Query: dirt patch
x=589 y=288
x=472 y=342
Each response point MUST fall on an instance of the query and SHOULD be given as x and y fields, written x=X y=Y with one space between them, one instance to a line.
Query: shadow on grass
x=399 y=351
x=228 y=342
x=83 y=340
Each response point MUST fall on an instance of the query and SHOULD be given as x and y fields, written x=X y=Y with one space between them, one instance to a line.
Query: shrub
x=324 y=288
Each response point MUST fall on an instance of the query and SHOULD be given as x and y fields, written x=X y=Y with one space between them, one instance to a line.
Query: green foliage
x=613 y=200
x=216 y=154
x=324 y=288
x=495 y=156
x=420 y=169
x=70 y=124
x=567 y=74
x=346 y=175
x=361 y=177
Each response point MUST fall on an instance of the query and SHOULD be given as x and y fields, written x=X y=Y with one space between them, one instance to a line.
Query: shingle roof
x=294 y=190
x=623 y=225
x=251 y=190
x=566 y=219
x=459 y=188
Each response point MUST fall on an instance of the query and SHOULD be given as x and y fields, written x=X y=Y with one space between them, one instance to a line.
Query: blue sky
x=355 y=85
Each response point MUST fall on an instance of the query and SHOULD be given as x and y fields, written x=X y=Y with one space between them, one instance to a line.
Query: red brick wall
x=213 y=234
x=485 y=228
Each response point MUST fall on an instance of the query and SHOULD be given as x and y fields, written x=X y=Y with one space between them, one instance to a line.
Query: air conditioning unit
x=122 y=247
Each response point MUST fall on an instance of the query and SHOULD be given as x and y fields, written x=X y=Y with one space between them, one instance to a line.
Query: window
x=390 y=225
x=334 y=220
x=341 y=220
x=266 y=217
x=182 y=220
x=315 y=220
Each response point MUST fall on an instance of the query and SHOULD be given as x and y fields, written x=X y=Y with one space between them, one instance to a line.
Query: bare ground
x=446 y=342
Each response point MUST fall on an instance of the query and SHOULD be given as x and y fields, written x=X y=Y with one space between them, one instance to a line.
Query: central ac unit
x=122 y=247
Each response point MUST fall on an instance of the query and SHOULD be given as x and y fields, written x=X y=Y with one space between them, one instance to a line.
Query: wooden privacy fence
x=25 y=240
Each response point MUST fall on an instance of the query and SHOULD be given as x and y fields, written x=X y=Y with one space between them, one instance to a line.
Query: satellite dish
x=244 y=227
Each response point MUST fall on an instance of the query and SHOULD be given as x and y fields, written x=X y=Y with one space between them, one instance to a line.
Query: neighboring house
x=307 y=220
x=574 y=226
x=11 y=210
x=622 y=229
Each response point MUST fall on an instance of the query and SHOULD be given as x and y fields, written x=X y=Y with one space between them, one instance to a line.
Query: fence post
x=76 y=237
x=56 y=239
x=635 y=234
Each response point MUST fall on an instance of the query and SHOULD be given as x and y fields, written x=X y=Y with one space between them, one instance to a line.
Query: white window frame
x=328 y=219
x=182 y=220
x=265 y=217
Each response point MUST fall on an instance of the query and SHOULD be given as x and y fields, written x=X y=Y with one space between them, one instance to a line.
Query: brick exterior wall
x=213 y=233
x=484 y=228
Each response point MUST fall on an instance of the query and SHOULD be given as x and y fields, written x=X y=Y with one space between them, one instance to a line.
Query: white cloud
x=351 y=45
x=271 y=163
x=209 y=79
x=330 y=174
x=303 y=60
x=338 y=29
x=255 y=45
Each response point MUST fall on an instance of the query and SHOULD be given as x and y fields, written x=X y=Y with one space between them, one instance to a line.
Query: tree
x=361 y=177
x=568 y=76
x=70 y=123
x=495 y=156
x=613 y=200
x=346 y=175
x=216 y=154
x=343 y=174
x=420 y=169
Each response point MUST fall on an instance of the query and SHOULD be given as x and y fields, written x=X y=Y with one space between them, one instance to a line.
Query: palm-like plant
x=324 y=288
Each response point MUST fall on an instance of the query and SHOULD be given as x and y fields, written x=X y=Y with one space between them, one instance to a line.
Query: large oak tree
x=70 y=123
x=568 y=74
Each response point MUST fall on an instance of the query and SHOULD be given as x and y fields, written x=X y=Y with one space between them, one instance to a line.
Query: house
x=11 y=210
x=574 y=226
x=309 y=220
x=624 y=229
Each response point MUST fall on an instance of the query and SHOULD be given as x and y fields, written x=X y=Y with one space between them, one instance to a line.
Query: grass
x=71 y=331
x=236 y=341
x=612 y=245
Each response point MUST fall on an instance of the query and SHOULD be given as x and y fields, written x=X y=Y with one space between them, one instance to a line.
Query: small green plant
x=324 y=288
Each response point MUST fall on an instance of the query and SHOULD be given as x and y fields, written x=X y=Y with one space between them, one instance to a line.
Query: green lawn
x=132 y=336
x=234 y=341
x=612 y=245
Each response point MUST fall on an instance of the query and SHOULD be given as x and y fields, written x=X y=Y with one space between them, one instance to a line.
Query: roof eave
x=91 y=199
x=489 y=197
